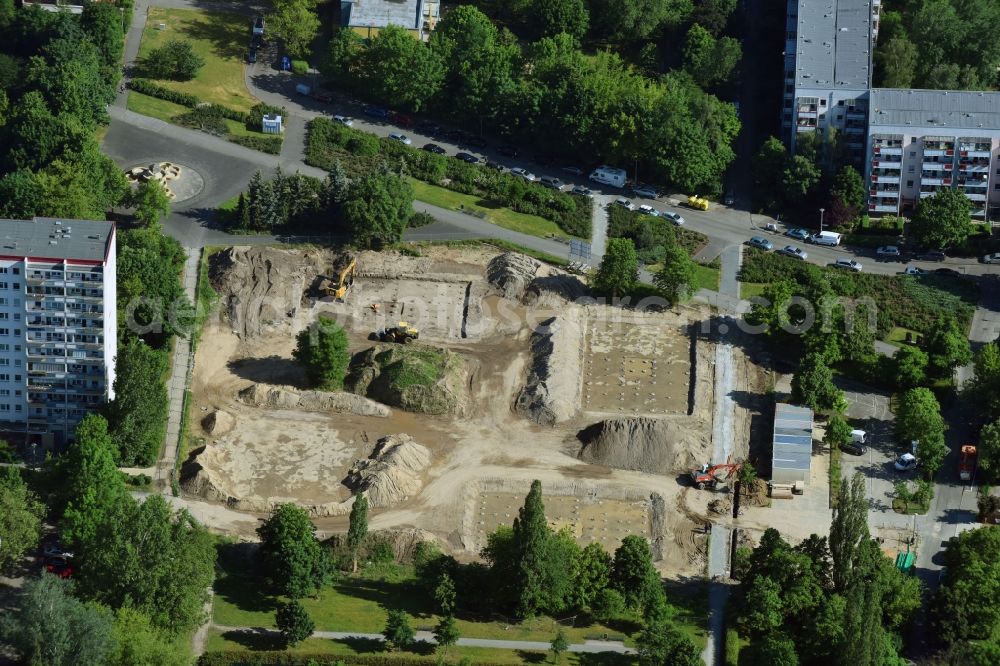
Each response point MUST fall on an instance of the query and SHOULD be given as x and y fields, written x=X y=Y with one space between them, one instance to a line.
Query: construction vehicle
x=402 y=333
x=966 y=462
x=710 y=476
x=699 y=203
x=343 y=274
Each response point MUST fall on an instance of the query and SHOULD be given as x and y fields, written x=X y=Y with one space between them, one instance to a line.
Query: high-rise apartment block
x=908 y=143
x=58 y=326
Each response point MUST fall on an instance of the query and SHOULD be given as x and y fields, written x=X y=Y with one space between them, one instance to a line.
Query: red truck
x=966 y=462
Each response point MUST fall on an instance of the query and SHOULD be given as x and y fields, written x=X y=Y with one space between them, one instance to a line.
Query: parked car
x=402 y=138
x=476 y=142
x=323 y=97
x=344 y=120
x=992 y=258
x=508 y=150
x=847 y=264
x=645 y=191
x=913 y=270
x=673 y=217
x=761 y=243
x=798 y=234
x=466 y=157
x=931 y=255
x=252 y=56
x=794 y=252
x=377 y=112
x=524 y=173
x=624 y=203
x=575 y=170
x=582 y=191
x=402 y=119
x=648 y=210
x=55 y=549
x=905 y=462
x=59 y=566
x=853 y=447
x=729 y=199
x=950 y=272
x=434 y=148
x=427 y=127
x=258 y=24
x=888 y=253
x=551 y=183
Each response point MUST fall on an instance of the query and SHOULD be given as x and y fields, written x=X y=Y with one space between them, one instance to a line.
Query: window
x=822 y=102
x=997 y=187
x=15 y=285
x=17 y=408
x=4 y=393
x=17 y=302
x=17 y=316
x=17 y=363
x=4 y=407
x=17 y=378
x=17 y=348
x=17 y=393
x=909 y=183
x=4 y=361
x=15 y=270
x=4 y=331
x=913 y=153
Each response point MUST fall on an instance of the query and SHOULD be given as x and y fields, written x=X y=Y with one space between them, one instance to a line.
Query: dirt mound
x=548 y=289
x=391 y=473
x=218 y=422
x=414 y=377
x=552 y=392
x=655 y=446
x=511 y=273
x=341 y=402
x=262 y=287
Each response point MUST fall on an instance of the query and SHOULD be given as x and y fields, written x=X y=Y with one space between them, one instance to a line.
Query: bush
x=652 y=237
x=174 y=60
x=420 y=219
x=147 y=87
x=206 y=119
x=265 y=144
x=363 y=145
x=300 y=67
x=255 y=119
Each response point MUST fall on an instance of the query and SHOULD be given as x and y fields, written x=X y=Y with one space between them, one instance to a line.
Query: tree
x=54 y=629
x=593 y=572
x=619 y=270
x=378 y=208
x=357 y=528
x=67 y=74
x=713 y=15
x=848 y=529
x=139 y=643
x=708 y=60
x=146 y=556
x=20 y=195
x=664 y=643
x=965 y=607
x=798 y=179
x=92 y=482
x=150 y=201
x=137 y=415
x=763 y=607
x=175 y=60
x=342 y=56
x=838 y=431
x=849 y=187
x=988 y=453
x=295 y=22
x=812 y=385
x=941 y=220
x=769 y=165
x=635 y=20
x=398 y=633
x=21 y=516
x=775 y=649
x=901 y=489
x=608 y=604
x=909 y=366
x=102 y=22
x=918 y=419
x=400 y=70
x=559 y=645
x=770 y=309
x=291 y=555
x=322 y=349
x=531 y=539
x=946 y=345
x=336 y=186
x=633 y=574
x=151 y=300
x=676 y=280
x=897 y=62
x=293 y=622
x=547 y=18
x=446 y=632
x=444 y=595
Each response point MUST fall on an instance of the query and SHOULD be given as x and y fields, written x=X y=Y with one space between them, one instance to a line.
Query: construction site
x=473 y=372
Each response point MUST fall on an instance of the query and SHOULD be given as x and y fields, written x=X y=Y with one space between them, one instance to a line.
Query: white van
x=859 y=436
x=609 y=176
x=825 y=238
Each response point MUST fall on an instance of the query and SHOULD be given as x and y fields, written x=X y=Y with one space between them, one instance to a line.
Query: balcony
x=883 y=208
x=886 y=194
x=975 y=196
x=983 y=154
x=886 y=164
x=938 y=152
x=888 y=150
x=892 y=180
x=936 y=166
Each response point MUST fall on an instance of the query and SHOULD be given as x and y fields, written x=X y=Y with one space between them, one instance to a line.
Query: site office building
x=58 y=327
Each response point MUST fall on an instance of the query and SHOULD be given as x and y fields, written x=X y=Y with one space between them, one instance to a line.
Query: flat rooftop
x=55 y=238
x=381 y=13
x=792 y=437
x=945 y=109
x=833 y=44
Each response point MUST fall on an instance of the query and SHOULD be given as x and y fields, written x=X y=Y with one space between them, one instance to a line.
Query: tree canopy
x=619 y=270
x=21 y=515
x=322 y=349
x=942 y=220
x=377 y=209
x=918 y=419
x=290 y=554
x=295 y=22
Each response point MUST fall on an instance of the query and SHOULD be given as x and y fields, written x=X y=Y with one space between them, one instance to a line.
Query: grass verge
x=835 y=475
x=897 y=336
x=492 y=212
x=706 y=277
x=911 y=509
x=750 y=289
x=219 y=38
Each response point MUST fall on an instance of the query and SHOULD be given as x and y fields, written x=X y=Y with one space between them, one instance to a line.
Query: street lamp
x=821 y=219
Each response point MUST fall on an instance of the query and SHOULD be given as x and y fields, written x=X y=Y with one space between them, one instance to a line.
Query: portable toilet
x=271 y=124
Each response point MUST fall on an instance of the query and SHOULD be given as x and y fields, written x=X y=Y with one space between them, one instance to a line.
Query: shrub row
x=265 y=144
x=359 y=151
x=902 y=300
x=147 y=87
x=276 y=658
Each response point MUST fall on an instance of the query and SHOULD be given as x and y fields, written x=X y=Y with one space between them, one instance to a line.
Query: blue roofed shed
x=792 y=441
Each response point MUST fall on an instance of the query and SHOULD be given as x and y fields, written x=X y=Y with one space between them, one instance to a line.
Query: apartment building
x=828 y=70
x=920 y=141
x=58 y=326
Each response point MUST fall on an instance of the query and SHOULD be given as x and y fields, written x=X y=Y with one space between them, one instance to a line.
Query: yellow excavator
x=402 y=333
x=343 y=278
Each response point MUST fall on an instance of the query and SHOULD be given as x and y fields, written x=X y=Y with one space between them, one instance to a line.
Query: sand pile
x=262 y=287
x=392 y=472
x=511 y=273
x=655 y=446
x=552 y=392
x=218 y=422
x=548 y=290
x=414 y=377
x=340 y=402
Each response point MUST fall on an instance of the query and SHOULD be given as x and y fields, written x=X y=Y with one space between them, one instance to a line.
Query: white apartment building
x=920 y=141
x=58 y=325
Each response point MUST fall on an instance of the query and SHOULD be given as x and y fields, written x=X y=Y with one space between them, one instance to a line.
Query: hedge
x=300 y=67
x=281 y=658
x=147 y=87
x=358 y=152
x=265 y=144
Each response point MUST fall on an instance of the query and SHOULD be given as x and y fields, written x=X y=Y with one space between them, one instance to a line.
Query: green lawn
x=750 y=289
x=705 y=277
x=914 y=508
x=154 y=107
x=219 y=38
x=498 y=215
x=897 y=336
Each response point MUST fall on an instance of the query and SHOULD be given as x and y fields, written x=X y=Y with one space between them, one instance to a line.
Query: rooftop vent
x=52 y=242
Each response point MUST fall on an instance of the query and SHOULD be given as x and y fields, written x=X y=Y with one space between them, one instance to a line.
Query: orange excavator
x=710 y=476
